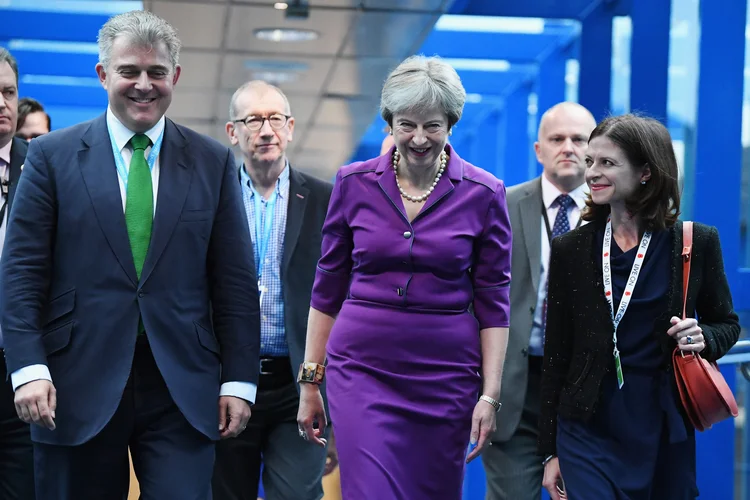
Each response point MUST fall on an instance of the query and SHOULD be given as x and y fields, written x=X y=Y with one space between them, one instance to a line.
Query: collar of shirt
x=5 y=152
x=282 y=183
x=550 y=193
x=122 y=134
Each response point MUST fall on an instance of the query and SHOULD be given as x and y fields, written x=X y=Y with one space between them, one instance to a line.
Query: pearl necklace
x=423 y=197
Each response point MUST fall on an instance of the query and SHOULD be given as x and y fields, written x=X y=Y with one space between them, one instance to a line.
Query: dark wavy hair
x=645 y=142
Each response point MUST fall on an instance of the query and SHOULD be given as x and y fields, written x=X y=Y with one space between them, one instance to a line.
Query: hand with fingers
x=553 y=481
x=233 y=416
x=311 y=411
x=482 y=425
x=687 y=334
x=36 y=403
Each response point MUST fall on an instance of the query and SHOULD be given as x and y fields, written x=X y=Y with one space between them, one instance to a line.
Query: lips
x=598 y=187
x=419 y=151
x=142 y=100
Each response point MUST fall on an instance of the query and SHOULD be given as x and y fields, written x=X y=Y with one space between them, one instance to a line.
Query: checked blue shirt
x=272 y=333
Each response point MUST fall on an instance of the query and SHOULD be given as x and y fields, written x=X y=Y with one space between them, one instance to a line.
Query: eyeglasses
x=255 y=123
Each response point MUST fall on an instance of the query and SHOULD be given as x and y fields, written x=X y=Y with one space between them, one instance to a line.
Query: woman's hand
x=311 y=410
x=482 y=425
x=553 y=481
x=687 y=334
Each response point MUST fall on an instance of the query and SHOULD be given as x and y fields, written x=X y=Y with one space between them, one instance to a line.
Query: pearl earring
x=643 y=182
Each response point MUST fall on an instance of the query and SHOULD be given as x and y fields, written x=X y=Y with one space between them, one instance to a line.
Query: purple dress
x=404 y=353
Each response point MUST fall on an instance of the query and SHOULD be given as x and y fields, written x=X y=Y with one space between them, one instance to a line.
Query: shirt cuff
x=29 y=374
x=242 y=390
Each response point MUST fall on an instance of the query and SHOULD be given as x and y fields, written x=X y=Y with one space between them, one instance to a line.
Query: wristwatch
x=311 y=373
x=495 y=403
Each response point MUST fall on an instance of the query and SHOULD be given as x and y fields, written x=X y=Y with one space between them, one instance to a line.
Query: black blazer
x=578 y=340
x=17 y=157
x=308 y=205
x=306 y=212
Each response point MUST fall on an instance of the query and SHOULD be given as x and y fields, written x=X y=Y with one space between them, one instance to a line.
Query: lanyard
x=261 y=241
x=628 y=294
x=120 y=162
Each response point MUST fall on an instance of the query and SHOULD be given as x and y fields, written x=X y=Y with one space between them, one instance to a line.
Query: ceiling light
x=495 y=65
x=280 y=5
x=286 y=35
x=490 y=24
x=274 y=77
x=276 y=65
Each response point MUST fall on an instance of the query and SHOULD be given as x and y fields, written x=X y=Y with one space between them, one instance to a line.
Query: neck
x=624 y=225
x=4 y=140
x=421 y=178
x=264 y=176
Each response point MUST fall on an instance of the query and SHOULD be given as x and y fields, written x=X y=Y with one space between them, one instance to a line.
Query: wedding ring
x=689 y=339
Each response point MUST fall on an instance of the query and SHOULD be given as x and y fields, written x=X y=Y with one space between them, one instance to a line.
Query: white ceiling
x=334 y=98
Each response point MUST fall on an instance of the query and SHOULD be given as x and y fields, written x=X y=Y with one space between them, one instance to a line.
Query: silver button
x=407 y=234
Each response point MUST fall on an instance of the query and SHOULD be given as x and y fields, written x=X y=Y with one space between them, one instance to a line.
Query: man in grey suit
x=539 y=209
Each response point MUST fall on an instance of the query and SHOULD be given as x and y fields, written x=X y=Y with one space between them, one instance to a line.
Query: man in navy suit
x=129 y=297
x=16 y=454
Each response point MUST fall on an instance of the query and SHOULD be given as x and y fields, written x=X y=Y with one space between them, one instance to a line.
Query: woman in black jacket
x=612 y=425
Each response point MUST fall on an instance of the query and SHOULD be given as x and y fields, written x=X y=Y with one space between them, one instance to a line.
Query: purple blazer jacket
x=455 y=253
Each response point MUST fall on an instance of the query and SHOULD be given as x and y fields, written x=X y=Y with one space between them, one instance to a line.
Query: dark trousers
x=16 y=452
x=292 y=467
x=171 y=459
x=514 y=470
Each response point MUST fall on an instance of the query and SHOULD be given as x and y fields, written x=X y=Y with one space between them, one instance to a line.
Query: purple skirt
x=402 y=386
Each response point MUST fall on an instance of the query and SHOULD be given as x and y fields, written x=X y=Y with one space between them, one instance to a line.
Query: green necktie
x=139 y=202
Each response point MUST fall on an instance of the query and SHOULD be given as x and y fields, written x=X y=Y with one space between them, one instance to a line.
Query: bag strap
x=687 y=248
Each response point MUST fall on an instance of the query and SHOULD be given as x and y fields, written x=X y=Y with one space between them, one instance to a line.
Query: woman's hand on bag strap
x=687 y=334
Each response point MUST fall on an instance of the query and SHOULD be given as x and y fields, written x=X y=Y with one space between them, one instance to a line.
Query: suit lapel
x=530 y=208
x=175 y=171
x=17 y=157
x=387 y=183
x=298 y=195
x=97 y=164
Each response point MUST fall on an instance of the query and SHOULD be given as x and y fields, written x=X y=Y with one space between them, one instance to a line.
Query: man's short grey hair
x=421 y=83
x=141 y=27
x=255 y=85
x=7 y=57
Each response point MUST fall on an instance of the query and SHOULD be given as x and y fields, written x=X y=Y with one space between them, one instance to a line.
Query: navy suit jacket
x=70 y=296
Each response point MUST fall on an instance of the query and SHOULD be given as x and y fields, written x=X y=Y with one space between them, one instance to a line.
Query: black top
x=635 y=335
x=578 y=339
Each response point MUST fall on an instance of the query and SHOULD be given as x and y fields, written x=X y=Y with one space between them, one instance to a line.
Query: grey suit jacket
x=524 y=208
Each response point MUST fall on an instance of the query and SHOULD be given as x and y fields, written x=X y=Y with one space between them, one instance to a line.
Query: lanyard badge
x=629 y=287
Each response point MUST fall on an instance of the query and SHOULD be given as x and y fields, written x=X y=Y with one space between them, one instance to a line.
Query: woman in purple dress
x=413 y=239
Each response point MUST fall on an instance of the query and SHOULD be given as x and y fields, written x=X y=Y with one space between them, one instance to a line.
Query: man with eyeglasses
x=285 y=211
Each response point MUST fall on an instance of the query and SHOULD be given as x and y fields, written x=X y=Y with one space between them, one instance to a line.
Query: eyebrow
x=136 y=67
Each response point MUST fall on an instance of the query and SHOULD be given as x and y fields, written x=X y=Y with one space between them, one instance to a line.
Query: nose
x=265 y=129
x=144 y=82
x=419 y=138
x=568 y=146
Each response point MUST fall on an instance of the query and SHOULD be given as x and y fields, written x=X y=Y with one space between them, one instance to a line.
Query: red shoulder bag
x=705 y=394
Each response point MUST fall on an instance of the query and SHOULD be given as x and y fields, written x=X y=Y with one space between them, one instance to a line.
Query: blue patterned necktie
x=561 y=226
x=562 y=221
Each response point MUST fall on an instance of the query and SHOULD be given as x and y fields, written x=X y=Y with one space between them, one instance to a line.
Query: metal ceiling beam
x=513 y=47
x=52 y=26
x=548 y=9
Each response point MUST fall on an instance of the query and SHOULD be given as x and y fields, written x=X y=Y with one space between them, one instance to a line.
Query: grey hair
x=255 y=85
x=420 y=83
x=142 y=27
x=6 y=56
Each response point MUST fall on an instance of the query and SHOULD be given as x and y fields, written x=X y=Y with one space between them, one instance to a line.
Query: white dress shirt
x=122 y=136
x=549 y=195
